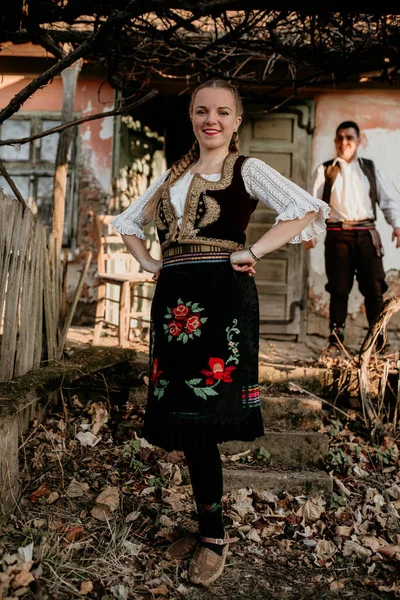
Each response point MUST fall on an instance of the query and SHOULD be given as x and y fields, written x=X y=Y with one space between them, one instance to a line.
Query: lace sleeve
x=134 y=218
x=285 y=197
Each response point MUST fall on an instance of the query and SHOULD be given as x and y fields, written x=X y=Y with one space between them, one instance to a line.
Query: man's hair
x=347 y=125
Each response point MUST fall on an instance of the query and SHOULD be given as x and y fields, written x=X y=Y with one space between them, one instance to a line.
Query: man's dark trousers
x=350 y=253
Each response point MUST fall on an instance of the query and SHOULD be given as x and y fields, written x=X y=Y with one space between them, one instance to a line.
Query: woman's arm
x=138 y=249
x=273 y=239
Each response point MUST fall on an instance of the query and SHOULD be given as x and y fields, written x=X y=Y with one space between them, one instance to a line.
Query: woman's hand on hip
x=151 y=265
x=243 y=262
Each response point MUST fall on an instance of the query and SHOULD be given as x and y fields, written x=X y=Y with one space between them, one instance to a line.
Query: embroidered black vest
x=216 y=212
x=367 y=167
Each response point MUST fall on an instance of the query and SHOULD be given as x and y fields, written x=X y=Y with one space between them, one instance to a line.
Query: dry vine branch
x=11 y=183
x=371 y=416
x=116 y=18
x=75 y=122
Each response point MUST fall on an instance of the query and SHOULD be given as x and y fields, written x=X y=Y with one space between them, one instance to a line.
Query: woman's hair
x=180 y=166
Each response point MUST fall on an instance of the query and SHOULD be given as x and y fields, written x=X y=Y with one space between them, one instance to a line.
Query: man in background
x=353 y=187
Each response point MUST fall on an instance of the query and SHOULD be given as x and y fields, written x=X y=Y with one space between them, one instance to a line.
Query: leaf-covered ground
x=99 y=507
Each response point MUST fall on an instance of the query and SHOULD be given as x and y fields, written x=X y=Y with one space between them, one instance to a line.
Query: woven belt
x=184 y=249
x=355 y=225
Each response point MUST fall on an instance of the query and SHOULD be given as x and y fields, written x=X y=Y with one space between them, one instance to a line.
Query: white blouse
x=262 y=183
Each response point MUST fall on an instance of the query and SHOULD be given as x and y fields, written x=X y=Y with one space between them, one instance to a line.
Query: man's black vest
x=367 y=167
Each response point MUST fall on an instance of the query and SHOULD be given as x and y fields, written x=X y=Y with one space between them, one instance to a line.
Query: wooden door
x=282 y=141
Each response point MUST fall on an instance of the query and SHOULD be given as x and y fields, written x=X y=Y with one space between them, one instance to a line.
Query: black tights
x=205 y=470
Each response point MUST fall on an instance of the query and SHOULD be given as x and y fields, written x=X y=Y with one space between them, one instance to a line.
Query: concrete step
x=304 y=482
x=314 y=379
x=291 y=412
x=286 y=448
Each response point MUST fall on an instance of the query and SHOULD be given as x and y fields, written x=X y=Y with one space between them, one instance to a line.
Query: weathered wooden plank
x=9 y=212
x=24 y=350
x=48 y=307
x=29 y=345
x=10 y=330
x=39 y=329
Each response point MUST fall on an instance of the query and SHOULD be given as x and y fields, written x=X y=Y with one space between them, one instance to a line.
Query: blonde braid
x=176 y=171
x=181 y=165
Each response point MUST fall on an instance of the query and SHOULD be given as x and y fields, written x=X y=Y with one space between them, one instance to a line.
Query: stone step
x=286 y=448
x=291 y=412
x=304 y=482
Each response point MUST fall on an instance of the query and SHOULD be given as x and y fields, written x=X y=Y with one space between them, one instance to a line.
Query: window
x=31 y=166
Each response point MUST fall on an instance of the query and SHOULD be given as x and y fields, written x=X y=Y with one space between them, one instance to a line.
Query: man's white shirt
x=350 y=199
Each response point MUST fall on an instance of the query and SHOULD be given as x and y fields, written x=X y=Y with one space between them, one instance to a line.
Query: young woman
x=204 y=335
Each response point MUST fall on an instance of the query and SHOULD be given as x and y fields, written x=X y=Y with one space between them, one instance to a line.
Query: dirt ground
x=99 y=507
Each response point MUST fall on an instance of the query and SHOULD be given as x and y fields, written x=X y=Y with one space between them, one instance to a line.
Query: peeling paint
x=106 y=130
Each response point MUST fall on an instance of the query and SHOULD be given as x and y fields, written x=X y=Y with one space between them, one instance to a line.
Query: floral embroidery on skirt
x=203 y=357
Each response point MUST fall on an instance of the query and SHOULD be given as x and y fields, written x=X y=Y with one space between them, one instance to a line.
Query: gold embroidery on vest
x=198 y=185
x=160 y=223
x=212 y=211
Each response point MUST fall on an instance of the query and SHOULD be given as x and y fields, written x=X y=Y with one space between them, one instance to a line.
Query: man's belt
x=366 y=225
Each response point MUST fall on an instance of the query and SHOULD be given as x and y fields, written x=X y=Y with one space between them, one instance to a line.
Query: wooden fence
x=30 y=291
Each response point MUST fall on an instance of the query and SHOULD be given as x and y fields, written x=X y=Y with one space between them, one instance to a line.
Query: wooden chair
x=117 y=267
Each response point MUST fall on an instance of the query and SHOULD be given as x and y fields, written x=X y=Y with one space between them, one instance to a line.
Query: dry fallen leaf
x=101 y=513
x=109 y=497
x=100 y=416
x=42 y=491
x=344 y=531
x=243 y=508
x=53 y=497
x=23 y=579
x=76 y=489
x=174 y=500
x=86 y=587
x=312 y=509
x=25 y=553
x=161 y=590
x=325 y=549
x=351 y=548
x=253 y=535
x=87 y=438
x=74 y=533
x=391 y=551
x=339 y=584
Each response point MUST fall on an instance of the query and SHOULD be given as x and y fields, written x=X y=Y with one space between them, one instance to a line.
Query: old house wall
x=378 y=115
x=94 y=157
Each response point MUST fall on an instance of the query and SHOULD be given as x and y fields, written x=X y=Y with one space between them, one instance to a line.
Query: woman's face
x=214 y=117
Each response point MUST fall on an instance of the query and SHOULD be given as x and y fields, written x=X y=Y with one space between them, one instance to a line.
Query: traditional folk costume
x=353 y=246
x=204 y=333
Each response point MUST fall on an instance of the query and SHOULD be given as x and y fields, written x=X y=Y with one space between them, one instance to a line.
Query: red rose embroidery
x=155 y=373
x=218 y=371
x=180 y=312
x=192 y=323
x=175 y=328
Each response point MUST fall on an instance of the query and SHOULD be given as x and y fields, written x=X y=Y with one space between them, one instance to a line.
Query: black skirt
x=203 y=354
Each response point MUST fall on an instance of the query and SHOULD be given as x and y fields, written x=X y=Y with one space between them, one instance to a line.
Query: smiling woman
x=204 y=337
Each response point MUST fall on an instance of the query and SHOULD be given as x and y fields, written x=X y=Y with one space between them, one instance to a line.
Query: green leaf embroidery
x=193 y=381
x=197 y=332
x=180 y=301
x=210 y=391
x=199 y=392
